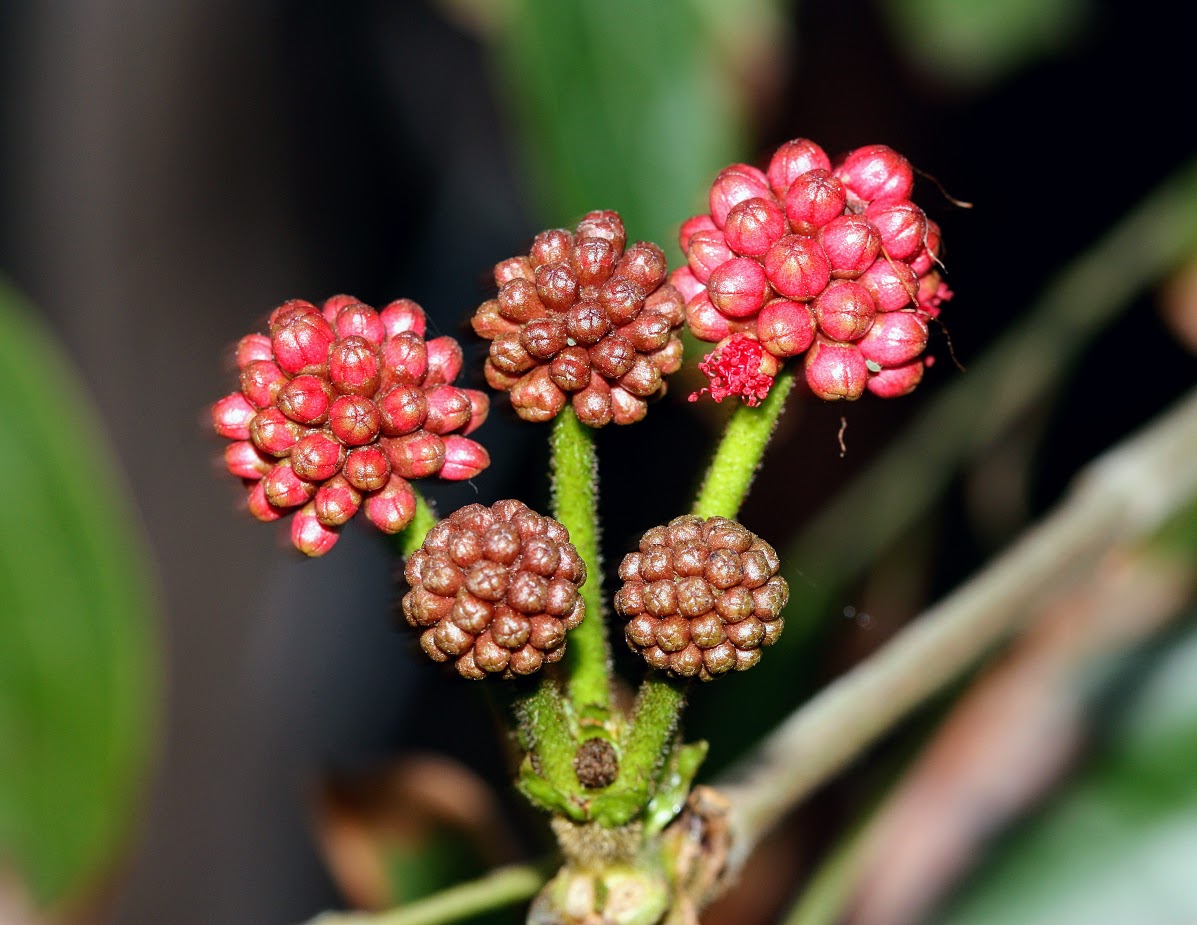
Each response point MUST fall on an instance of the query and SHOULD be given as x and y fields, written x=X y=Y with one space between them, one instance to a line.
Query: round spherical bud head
x=895 y=339
x=706 y=322
x=898 y=381
x=415 y=456
x=393 y=507
x=354 y=420
x=261 y=381
x=354 y=367
x=367 y=468
x=306 y=400
x=835 y=371
x=464 y=459
x=754 y=226
x=844 y=310
x=308 y=534
x=273 y=432
x=732 y=186
x=404 y=359
x=550 y=247
x=793 y=159
x=739 y=287
x=813 y=200
x=337 y=501
x=449 y=409
x=317 y=457
x=785 y=328
x=403 y=315
x=231 y=416
x=302 y=345
x=358 y=320
x=797 y=267
x=402 y=410
x=851 y=244
x=444 y=361
x=253 y=347
x=702 y=222
x=707 y=252
x=876 y=172
x=891 y=283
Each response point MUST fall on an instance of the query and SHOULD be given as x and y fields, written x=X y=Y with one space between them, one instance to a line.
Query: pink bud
x=337 y=501
x=901 y=380
x=593 y=260
x=253 y=347
x=536 y=397
x=603 y=223
x=354 y=367
x=403 y=315
x=508 y=353
x=851 y=243
x=697 y=223
x=876 y=172
x=927 y=257
x=479 y=409
x=261 y=381
x=317 y=457
x=785 y=328
x=496 y=378
x=557 y=286
x=367 y=468
x=332 y=307
x=404 y=359
x=685 y=282
x=754 y=226
x=246 y=461
x=550 y=247
x=415 y=456
x=489 y=324
x=644 y=264
x=902 y=226
x=738 y=288
x=231 y=416
x=259 y=507
x=648 y=332
x=814 y=199
x=732 y=186
x=306 y=400
x=626 y=408
x=354 y=420
x=592 y=404
x=310 y=536
x=708 y=251
x=835 y=371
x=621 y=299
x=669 y=358
x=844 y=310
x=392 y=508
x=513 y=268
x=793 y=159
x=891 y=283
x=302 y=345
x=705 y=320
x=896 y=338
x=444 y=361
x=361 y=321
x=292 y=310
x=464 y=458
x=797 y=267
x=273 y=432
x=402 y=410
x=449 y=409
x=284 y=488
x=667 y=303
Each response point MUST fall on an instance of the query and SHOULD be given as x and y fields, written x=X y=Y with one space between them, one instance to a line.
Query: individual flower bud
x=612 y=356
x=592 y=404
x=603 y=223
x=897 y=381
x=557 y=285
x=550 y=247
x=479 y=409
x=393 y=507
x=404 y=359
x=273 y=432
x=367 y=468
x=891 y=283
x=285 y=489
x=593 y=261
x=464 y=459
x=260 y=507
x=876 y=172
x=513 y=268
x=851 y=244
x=813 y=200
x=732 y=186
x=306 y=400
x=686 y=283
x=739 y=287
x=302 y=345
x=844 y=310
x=707 y=252
x=354 y=367
x=402 y=410
x=785 y=328
x=358 y=320
x=403 y=315
x=626 y=408
x=644 y=264
x=793 y=159
x=895 y=339
x=489 y=324
x=702 y=222
x=797 y=267
x=336 y=501
x=332 y=307
x=309 y=535
x=901 y=224
x=261 y=381
x=444 y=361
x=292 y=310
x=354 y=420
x=536 y=397
x=835 y=371
x=231 y=416
x=705 y=321
x=449 y=409
x=738 y=367
x=253 y=347
x=246 y=461
x=519 y=302
x=927 y=256
x=415 y=456
x=317 y=457
x=754 y=226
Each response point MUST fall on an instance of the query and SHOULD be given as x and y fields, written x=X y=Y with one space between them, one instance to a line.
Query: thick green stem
x=575 y=503
x=739 y=453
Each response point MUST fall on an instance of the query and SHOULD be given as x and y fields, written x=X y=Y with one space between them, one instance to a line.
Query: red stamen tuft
x=735 y=370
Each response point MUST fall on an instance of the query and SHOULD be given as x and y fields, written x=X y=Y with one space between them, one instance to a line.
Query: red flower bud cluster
x=834 y=263
x=338 y=408
x=583 y=320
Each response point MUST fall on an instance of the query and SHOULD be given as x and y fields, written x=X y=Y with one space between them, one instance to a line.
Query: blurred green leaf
x=625 y=105
x=77 y=679
x=1120 y=845
x=978 y=42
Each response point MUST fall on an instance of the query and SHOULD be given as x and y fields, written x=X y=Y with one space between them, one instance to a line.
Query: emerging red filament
x=735 y=369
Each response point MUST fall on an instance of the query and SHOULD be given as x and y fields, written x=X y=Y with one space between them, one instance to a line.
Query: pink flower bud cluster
x=835 y=263
x=338 y=408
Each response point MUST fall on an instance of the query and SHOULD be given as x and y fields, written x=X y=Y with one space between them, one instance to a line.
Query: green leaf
x=77 y=673
x=1120 y=845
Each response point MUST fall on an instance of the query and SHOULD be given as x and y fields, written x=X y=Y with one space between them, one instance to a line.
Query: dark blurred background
x=171 y=171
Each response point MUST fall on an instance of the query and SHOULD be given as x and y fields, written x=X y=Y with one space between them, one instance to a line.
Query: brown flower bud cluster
x=701 y=597
x=495 y=589
x=581 y=319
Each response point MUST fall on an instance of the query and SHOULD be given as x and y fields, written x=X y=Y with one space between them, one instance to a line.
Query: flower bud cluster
x=339 y=407
x=495 y=590
x=836 y=263
x=581 y=319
